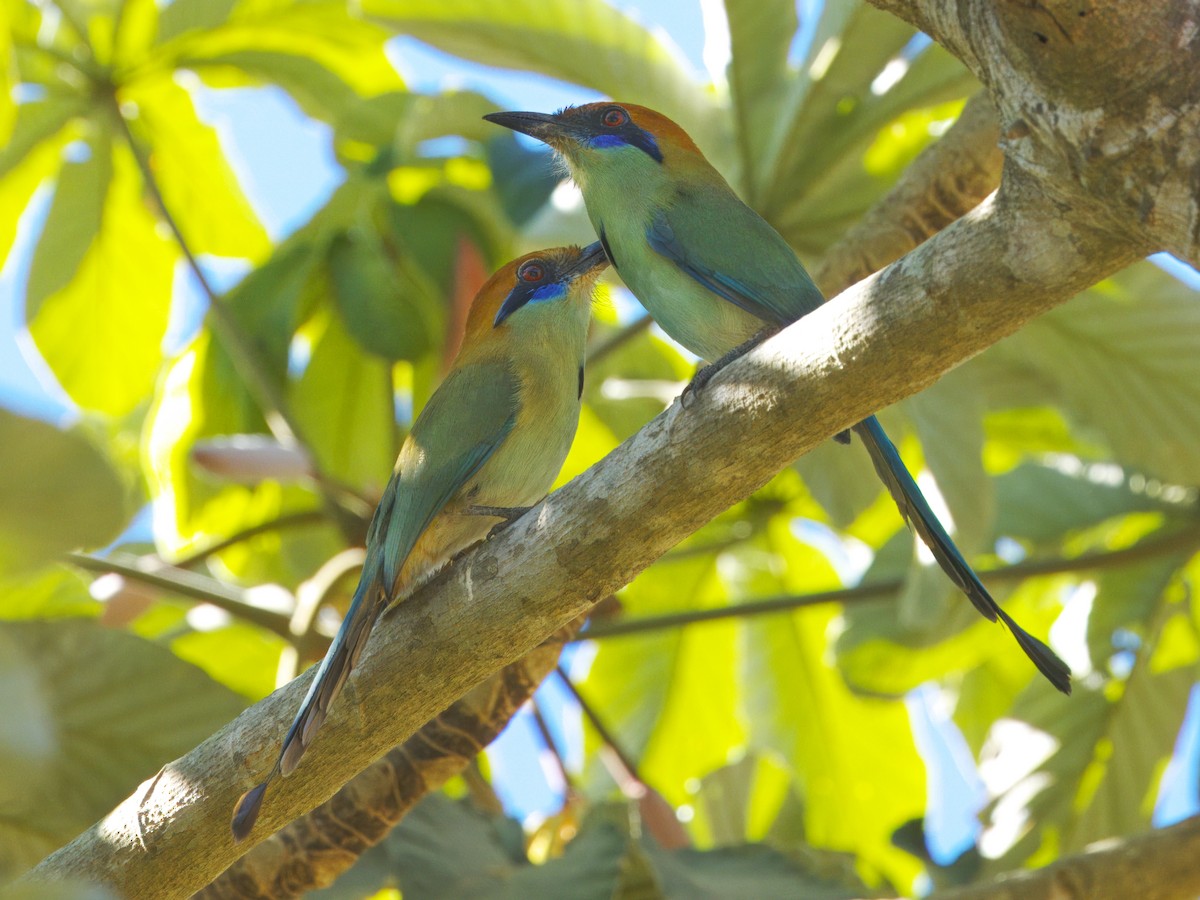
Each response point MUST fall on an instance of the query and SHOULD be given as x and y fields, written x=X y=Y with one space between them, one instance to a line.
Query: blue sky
x=285 y=164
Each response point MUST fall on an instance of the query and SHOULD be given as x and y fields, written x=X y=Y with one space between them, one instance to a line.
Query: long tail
x=342 y=656
x=917 y=513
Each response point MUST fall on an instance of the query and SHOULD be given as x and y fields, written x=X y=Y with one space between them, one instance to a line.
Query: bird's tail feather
x=917 y=513
x=369 y=601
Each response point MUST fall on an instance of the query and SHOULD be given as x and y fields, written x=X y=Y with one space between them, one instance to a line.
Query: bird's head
x=586 y=134
x=535 y=281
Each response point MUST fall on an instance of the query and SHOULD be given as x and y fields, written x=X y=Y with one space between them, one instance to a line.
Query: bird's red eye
x=614 y=117
x=531 y=272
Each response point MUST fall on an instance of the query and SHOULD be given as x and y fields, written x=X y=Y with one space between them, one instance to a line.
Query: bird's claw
x=693 y=388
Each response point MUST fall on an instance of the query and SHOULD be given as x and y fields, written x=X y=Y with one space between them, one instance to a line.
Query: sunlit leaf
x=590 y=43
x=1104 y=747
x=32 y=154
x=1121 y=360
x=345 y=407
x=72 y=223
x=196 y=181
x=319 y=52
x=52 y=592
x=670 y=696
x=101 y=334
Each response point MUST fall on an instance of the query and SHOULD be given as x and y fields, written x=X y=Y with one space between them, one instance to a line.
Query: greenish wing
x=466 y=419
x=735 y=253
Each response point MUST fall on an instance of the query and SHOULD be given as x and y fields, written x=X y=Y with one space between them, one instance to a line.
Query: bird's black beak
x=590 y=257
x=537 y=125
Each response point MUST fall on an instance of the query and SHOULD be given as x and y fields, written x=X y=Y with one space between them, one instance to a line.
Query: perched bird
x=487 y=445
x=717 y=277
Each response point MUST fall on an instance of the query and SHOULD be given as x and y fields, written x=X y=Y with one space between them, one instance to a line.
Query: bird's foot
x=508 y=514
x=702 y=377
x=705 y=374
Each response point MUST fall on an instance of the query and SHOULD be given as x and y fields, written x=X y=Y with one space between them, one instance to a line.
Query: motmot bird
x=717 y=277
x=489 y=443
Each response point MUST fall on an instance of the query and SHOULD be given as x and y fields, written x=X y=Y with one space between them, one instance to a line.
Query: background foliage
x=795 y=746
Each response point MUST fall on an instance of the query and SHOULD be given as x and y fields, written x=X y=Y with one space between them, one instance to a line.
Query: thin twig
x=597 y=723
x=185 y=584
x=1179 y=541
x=548 y=740
x=618 y=339
x=287 y=520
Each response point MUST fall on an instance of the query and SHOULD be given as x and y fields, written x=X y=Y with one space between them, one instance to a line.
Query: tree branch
x=1157 y=865
x=1098 y=102
x=891 y=335
x=949 y=178
x=313 y=850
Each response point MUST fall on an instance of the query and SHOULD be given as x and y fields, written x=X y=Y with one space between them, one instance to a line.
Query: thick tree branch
x=1011 y=259
x=948 y=178
x=1098 y=101
x=313 y=850
x=1158 y=865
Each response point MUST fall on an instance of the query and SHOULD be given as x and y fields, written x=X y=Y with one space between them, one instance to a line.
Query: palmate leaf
x=1108 y=744
x=344 y=405
x=197 y=183
x=76 y=739
x=854 y=765
x=1121 y=361
x=100 y=332
x=669 y=696
x=760 y=33
x=318 y=52
x=587 y=42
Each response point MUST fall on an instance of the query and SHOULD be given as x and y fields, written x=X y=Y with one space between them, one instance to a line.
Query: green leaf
x=587 y=42
x=52 y=592
x=1045 y=502
x=401 y=120
x=38 y=121
x=948 y=417
x=1120 y=359
x=199 y=396
x=74 y=220
x=345 y=407
x=856 y=792
x=244 y=658
x=322 y=54
x=182 y=16
x=101 y=334
x=76 y=739
x=57 y=493
x=670 y=697
x=1107 y=744
x=197 y=183
x=380 y=305
x=446 y=848
x=760 y=32
x=32 y=155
